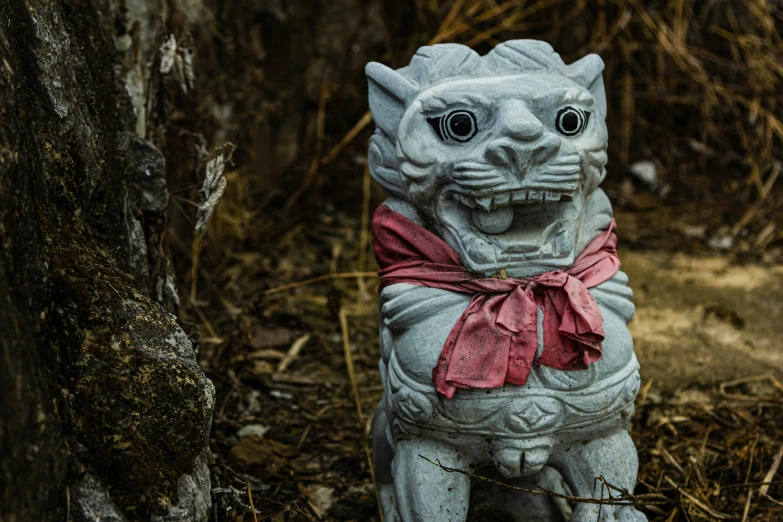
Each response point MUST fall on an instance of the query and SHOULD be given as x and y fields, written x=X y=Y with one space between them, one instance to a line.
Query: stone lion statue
x=505 y=350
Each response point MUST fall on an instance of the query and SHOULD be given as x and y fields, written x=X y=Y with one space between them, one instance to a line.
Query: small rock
x=627 y=190
x=695 y=231
x=693 y=397
x=647 y=172
x=268 y=337
x=123 y=43
x=277 y=394
x=258 y=455
x=320 y=499
x=256 y=430
x=721 y=242
x=252 y=399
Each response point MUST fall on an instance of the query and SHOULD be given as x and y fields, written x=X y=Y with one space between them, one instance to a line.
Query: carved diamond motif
x=533 y=415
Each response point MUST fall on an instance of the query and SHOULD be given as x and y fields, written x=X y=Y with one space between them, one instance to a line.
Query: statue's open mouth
x=525 y=229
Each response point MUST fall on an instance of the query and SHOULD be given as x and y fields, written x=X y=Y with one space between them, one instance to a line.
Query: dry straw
x=695 y=86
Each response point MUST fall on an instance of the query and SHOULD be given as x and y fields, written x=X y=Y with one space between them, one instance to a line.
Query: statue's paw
x=628 y=514
x=388 y=506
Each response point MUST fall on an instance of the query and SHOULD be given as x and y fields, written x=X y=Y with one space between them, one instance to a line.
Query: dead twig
x=698 y=503
x=747 y=477
x=196 y=251
x=747 y=506
x=293 y=353
x=320 y=413
x=370 y=464
x=625 y=499
x=753 y=484
x=325 y=277
x=745 y=380
x=348 y=138
x=367 y=117
x=319 y=145
x=364 y=236
x=349 y=361
x=764 y=489
x=252 y=506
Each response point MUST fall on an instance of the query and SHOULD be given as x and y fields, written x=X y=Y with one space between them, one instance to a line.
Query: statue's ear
x=389 y=94
x=587 y=73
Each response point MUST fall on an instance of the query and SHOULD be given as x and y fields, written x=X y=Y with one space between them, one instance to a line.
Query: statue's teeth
x=465 y=200
x=479 y=250
x=561 y=244
x=497 y=201
x=502 y=200
x=484 y=203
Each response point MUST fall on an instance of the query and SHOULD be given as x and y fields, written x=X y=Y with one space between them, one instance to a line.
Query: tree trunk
x=105 y=412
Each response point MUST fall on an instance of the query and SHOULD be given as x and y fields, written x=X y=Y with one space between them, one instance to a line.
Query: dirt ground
x=290 y=427
x=717 y=321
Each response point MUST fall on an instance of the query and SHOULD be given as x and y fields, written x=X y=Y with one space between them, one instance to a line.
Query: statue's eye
x=457 y=125
x=571 y=121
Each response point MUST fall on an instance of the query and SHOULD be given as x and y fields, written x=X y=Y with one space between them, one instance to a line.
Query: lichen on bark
x=140 y=405
x=108 y=413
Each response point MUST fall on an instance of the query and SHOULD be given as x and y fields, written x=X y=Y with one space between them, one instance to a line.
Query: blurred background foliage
x=694 y=90
x=693 y=86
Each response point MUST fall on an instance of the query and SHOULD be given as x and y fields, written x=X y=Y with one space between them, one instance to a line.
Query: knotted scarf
x=495 y=339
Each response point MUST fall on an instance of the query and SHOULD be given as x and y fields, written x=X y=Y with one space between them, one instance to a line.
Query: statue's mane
x=436 y=63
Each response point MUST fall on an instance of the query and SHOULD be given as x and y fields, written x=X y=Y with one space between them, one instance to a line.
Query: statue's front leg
x=612 y=457
x=382 y=456
x=424 y=492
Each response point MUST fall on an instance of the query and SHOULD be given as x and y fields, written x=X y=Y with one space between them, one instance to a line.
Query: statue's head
x=497 y=153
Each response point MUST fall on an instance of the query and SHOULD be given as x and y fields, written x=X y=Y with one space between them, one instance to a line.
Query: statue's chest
x=416 y=322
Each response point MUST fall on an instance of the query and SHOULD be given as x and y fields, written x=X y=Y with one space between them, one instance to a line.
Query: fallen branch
x=699 y=503
x=325 y=277
x=349 y=361
x=771 y=473
x=625 y=498
x=348 y=138
x=252 y=505
x=293 y=353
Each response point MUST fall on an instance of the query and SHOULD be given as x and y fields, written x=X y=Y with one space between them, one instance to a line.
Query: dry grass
x=712 y=452
x=695 y=86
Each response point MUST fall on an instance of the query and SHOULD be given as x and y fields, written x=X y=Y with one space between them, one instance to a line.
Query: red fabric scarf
x=495 y=340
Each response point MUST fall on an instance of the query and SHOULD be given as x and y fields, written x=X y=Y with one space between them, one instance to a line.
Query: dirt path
x=701 y=321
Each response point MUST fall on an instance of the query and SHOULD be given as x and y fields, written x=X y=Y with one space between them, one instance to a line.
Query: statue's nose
x=519 y=138
x=516 y=121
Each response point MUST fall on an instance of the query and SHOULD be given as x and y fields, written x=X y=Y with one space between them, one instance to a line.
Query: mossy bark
x=105 y=412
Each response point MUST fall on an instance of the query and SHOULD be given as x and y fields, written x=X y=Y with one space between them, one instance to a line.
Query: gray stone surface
x=501 y=156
